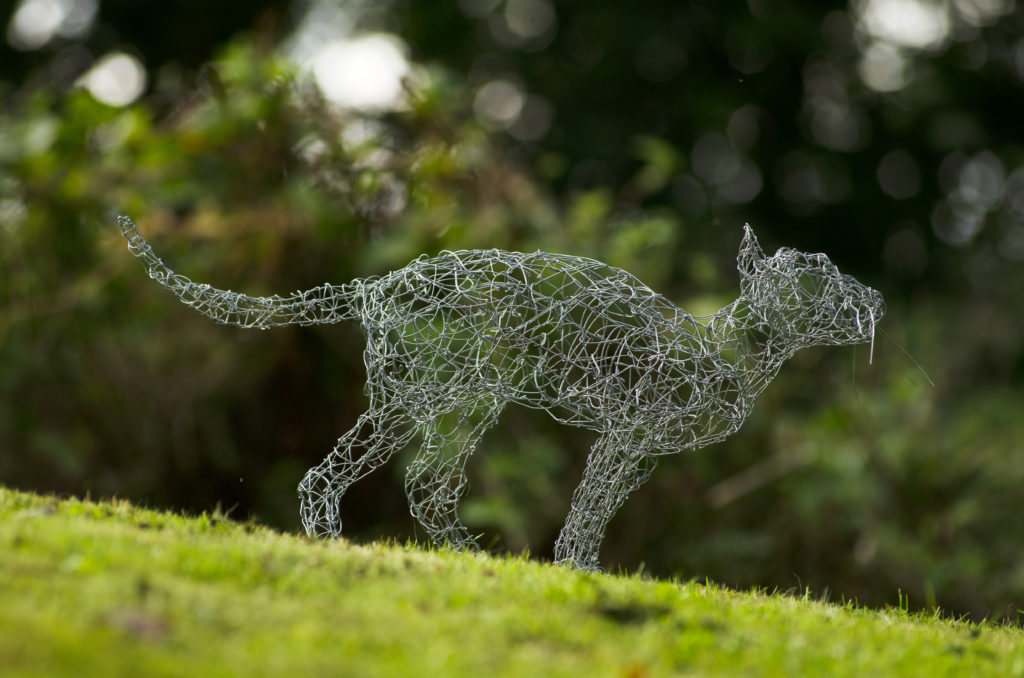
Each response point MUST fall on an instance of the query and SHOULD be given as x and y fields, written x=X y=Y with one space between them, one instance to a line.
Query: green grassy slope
x=106 y=589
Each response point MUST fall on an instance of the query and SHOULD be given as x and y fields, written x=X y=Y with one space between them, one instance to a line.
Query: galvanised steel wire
x=452 y=339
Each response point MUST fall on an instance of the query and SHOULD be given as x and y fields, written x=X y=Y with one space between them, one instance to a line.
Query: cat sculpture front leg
x=620 y=462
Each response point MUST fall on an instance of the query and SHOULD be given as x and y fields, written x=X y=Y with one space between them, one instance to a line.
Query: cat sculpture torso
x=452 y=339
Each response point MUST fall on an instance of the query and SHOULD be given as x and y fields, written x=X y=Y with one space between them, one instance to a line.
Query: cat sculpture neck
x=452 y=339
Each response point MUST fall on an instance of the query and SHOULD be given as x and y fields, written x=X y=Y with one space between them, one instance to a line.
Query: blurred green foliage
x=857 y=479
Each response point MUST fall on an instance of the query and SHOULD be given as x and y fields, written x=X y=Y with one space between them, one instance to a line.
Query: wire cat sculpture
x=452 y=339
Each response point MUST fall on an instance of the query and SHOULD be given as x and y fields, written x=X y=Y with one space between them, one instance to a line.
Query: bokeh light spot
x=981 y=180
x=499 y=103
x=364 y=73
x=915 y=24
x=117 y=79
x=983 y=12
x=529 y=25
x=808 y=183
x=529 y=18
x=883 y=68
x=744 y=129
x=898 y=175
x=734 y=177
x=36 y=22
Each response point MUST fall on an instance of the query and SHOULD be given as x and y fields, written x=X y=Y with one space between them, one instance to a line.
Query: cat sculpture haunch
x=452 y=339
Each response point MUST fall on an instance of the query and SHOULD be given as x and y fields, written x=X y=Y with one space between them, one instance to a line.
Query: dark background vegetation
x=648 y=134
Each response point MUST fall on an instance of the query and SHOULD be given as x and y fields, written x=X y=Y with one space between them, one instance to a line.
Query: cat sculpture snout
x=874 y=307
x=877 y=303
x=858 y=314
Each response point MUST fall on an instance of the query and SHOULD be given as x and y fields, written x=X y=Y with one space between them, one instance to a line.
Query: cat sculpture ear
x=750 y=253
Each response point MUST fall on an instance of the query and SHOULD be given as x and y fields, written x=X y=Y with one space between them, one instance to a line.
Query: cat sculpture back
x=452 y=339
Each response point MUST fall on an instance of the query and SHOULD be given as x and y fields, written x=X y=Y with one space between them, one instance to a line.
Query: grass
x=108 y=589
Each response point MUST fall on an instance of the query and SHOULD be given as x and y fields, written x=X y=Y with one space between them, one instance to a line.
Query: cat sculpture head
x=803 y=299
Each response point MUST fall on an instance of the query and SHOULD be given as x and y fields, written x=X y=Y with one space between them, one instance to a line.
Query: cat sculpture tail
x=320 y=305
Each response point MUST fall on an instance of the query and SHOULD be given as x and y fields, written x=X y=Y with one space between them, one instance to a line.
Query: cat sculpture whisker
x=452 y=339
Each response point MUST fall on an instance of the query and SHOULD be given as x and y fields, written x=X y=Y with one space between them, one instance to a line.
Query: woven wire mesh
x=452 y=339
